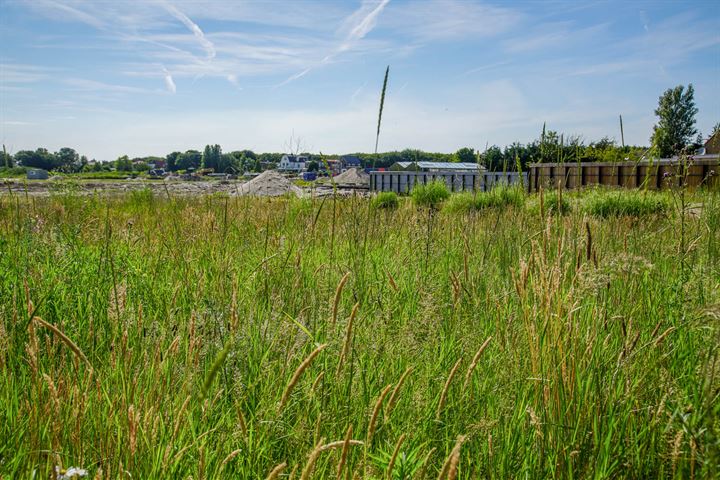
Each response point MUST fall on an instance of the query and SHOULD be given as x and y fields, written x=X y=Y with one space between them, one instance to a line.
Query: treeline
x=550 y=147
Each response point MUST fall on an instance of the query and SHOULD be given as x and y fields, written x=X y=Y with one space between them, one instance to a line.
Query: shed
x=37 y=174
x=436 y=167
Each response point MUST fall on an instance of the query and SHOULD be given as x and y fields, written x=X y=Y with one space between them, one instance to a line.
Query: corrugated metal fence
x=403 y=182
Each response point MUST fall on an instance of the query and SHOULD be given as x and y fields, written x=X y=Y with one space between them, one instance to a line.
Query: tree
x=189 y=159
x=493 y=159
x=123 y=164
x=40 y=158
x=212 y=156
x=465 y=155
x=313 y=166
x=171 y=160
x=676 y=125
x=7 y=159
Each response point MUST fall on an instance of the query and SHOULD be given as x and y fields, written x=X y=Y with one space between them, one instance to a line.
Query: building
x=293 y=163
x=350 y=161
x=712 y=146
x=454 y=167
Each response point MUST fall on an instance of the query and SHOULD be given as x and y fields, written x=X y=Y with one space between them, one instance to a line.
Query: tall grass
x=209 y=337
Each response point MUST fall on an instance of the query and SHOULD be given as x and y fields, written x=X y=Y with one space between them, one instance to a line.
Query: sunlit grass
x=212 y=337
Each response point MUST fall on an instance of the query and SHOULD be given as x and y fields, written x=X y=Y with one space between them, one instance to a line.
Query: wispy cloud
x=194 y=28
x=359 y=24
x=169 y=82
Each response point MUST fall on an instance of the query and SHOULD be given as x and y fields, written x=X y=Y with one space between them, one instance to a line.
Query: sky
x=147 y=77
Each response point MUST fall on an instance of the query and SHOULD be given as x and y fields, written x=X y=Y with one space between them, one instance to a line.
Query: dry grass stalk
x=310 y=465
x=344 y=453
x=65 y=339
x=296 y=376
x=230 y=456
x=241 y=421
x=391 y=464
x=348 y=338
x=475 y=360
x=449 y=469
x=443 y=395
x=178 y=422
x=338 y=293
x=133 y=419
x=662 y=336
x=394 y=396
x=317 y=381
x=275 y=472
x=375 y=412
x=340 y=443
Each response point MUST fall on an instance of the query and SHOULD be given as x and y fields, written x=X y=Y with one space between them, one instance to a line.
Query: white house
x=293 y=163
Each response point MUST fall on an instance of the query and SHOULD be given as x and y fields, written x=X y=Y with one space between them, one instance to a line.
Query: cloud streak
x=195 y=29
x=360 y=23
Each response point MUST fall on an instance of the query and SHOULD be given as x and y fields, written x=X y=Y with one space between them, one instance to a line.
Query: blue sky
x=152 y=76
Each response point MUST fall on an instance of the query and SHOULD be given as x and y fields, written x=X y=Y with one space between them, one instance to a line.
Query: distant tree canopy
x=123 y=164
x=676 y=121
x=465 y=155
x=212 y=157
x=65 y=159
x=189 y=159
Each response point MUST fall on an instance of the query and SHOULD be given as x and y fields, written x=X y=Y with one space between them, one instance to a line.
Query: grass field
x=151 y=337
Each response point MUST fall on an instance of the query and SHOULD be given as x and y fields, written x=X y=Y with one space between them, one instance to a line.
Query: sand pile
x=269 y=184
x=353 y=176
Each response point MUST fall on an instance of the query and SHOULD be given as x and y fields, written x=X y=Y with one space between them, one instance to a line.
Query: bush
x=506 y=195
x=387 y=200
x=12 y=172
x=500 y=196
x=460 y=203
x=555 y=203
x=430 y=195
x=625 y=203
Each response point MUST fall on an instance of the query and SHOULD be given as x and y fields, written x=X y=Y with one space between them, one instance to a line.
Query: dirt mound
x=269 y=184
x=353 y=176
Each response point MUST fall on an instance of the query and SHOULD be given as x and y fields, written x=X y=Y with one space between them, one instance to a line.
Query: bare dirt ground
x=267 y=184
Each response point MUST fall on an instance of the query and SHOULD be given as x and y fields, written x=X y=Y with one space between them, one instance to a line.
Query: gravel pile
x=354 y=176
x=269 y=184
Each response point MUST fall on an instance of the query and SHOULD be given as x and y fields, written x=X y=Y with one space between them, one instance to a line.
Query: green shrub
x=387 y=200
x=632 y=203
x=430 y=195
x=506 y=195
x=12 y=172
x=500 y=196
x=555 y=203
x=460 y=203
x=141 y=198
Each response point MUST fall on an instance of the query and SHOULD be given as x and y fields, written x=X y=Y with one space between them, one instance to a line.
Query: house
x=293 y=163
x=712 y=145
x=350 y=161
x=457 y=167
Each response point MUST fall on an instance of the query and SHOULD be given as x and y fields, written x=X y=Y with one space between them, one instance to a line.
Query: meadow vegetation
x=218 y=337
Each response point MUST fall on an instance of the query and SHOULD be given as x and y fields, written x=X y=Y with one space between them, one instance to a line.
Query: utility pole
x=622 y=133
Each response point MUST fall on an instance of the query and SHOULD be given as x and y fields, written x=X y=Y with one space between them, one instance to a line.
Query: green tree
x=40 y=158
x=7 y=159
x=189 y=159
x=313 y=166
x=171 y=160
x=493 y=158
x=212 y=156
x=123 y=164
x=465 y=155
x=676 y=121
